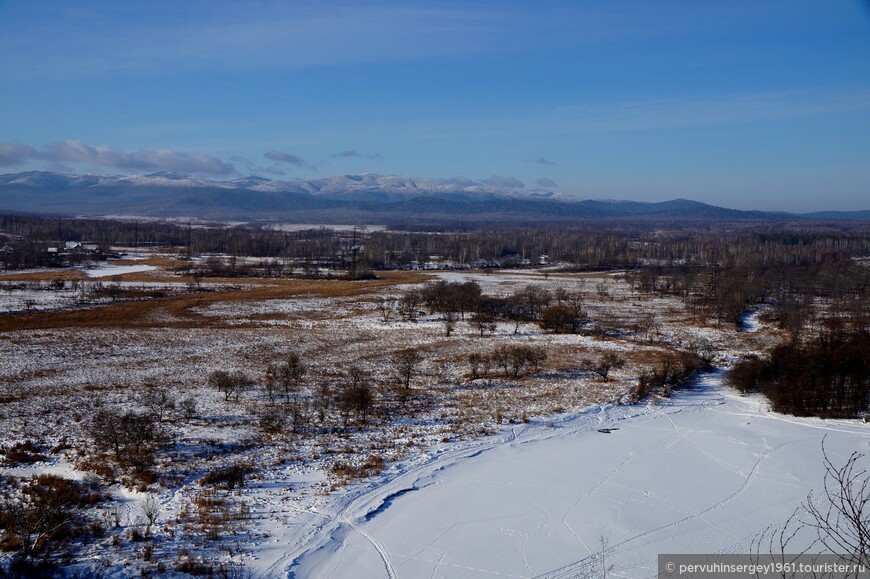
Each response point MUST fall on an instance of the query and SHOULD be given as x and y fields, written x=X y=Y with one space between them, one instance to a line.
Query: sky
x=742 y=104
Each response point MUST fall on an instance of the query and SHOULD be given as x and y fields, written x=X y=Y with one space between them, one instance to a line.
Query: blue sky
x=743 y=104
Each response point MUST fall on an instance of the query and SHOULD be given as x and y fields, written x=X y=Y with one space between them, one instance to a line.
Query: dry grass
x=75 y=361
x=160 y=261
x=179 y=311
x=64 y=274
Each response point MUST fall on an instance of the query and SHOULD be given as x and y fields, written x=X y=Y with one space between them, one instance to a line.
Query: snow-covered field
x=497 y=476
x=706 y=472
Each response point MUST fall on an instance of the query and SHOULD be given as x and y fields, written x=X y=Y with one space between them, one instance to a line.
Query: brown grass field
x=176 y=311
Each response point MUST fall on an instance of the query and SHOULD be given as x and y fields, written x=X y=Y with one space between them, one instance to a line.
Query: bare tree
x=151 y=510
x=773 y=543
x=287 y=376
x=842 y=518
x=356 y=396
x=794 y=314
x=479 y=365
x=272 y=417
x=321 y=400
x=839 y=518
x=409 y=305
x=515 y=358
x=159 y=400
x=486 y=312
x=271 y=384
x=385 y=308
x=231 y=385
x=300 y=410
x=132 y=438
x=47 y=505
x=647 y=324
x=562 y=319
x=449 y=319
x=404 y=364
x=604 y=364
x=188 y=406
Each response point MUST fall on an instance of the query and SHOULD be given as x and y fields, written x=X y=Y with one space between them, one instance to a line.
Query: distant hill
x=366 y=198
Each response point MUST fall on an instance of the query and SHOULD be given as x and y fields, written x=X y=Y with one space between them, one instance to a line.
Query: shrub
x=131 y=437
x=272 y=418
x=604 y=364
x=24 y=453
x=562 y=319
x=673 y=372
x=231 y=385
x=514 y=359
x=373 y=465
x=479 y=365
x=228 y=477
x=45 y=512
x=746 y=376
x=828 y=378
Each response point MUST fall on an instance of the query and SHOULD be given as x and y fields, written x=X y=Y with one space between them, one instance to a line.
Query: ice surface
x=111 y=270
x=704 y=473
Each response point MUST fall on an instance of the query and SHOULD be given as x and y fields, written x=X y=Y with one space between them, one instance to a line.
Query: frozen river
x=702 y=473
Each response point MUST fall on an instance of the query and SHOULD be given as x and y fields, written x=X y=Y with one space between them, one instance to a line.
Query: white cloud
x=294 y=160
x=15 y=154
x=505 y=181
x=546 y=182
x=222 y=35
x=75 y=151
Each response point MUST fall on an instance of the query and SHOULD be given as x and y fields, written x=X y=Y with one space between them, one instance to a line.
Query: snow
x=504 y=283
x=751 y=321
x=704 y=473
x=42 y=296
x=452 y=501
x=111 y=270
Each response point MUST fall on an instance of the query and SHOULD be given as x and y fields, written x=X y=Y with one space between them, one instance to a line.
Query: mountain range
x=354 y=199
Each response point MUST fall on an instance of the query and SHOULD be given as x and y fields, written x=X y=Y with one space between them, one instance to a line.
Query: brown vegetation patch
x=181 y=309
x=161 y=261
x=64 y=274
x=24 y=453
x=31 y=375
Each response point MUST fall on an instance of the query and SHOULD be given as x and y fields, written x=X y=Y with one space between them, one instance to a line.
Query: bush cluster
x=828 y=378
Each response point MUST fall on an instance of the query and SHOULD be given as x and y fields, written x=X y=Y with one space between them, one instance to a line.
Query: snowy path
x=703 y=473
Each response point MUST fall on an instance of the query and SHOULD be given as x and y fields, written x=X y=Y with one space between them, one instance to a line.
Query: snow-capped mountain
x=391 y=188
x=363 y=187
x=365 y=198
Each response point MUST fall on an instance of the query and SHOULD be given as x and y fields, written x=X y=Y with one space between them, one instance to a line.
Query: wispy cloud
x=75 y=151
x=251 y=168
x=504 y=181
x=228 y=35
x=135 y=36
x=546 y=182
x=15 y=154
x=633 y=116
x=543 y=161
x=350 y=154
x=690 y=112
x=459 y=181
x=289 y=159
x=273 y=170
